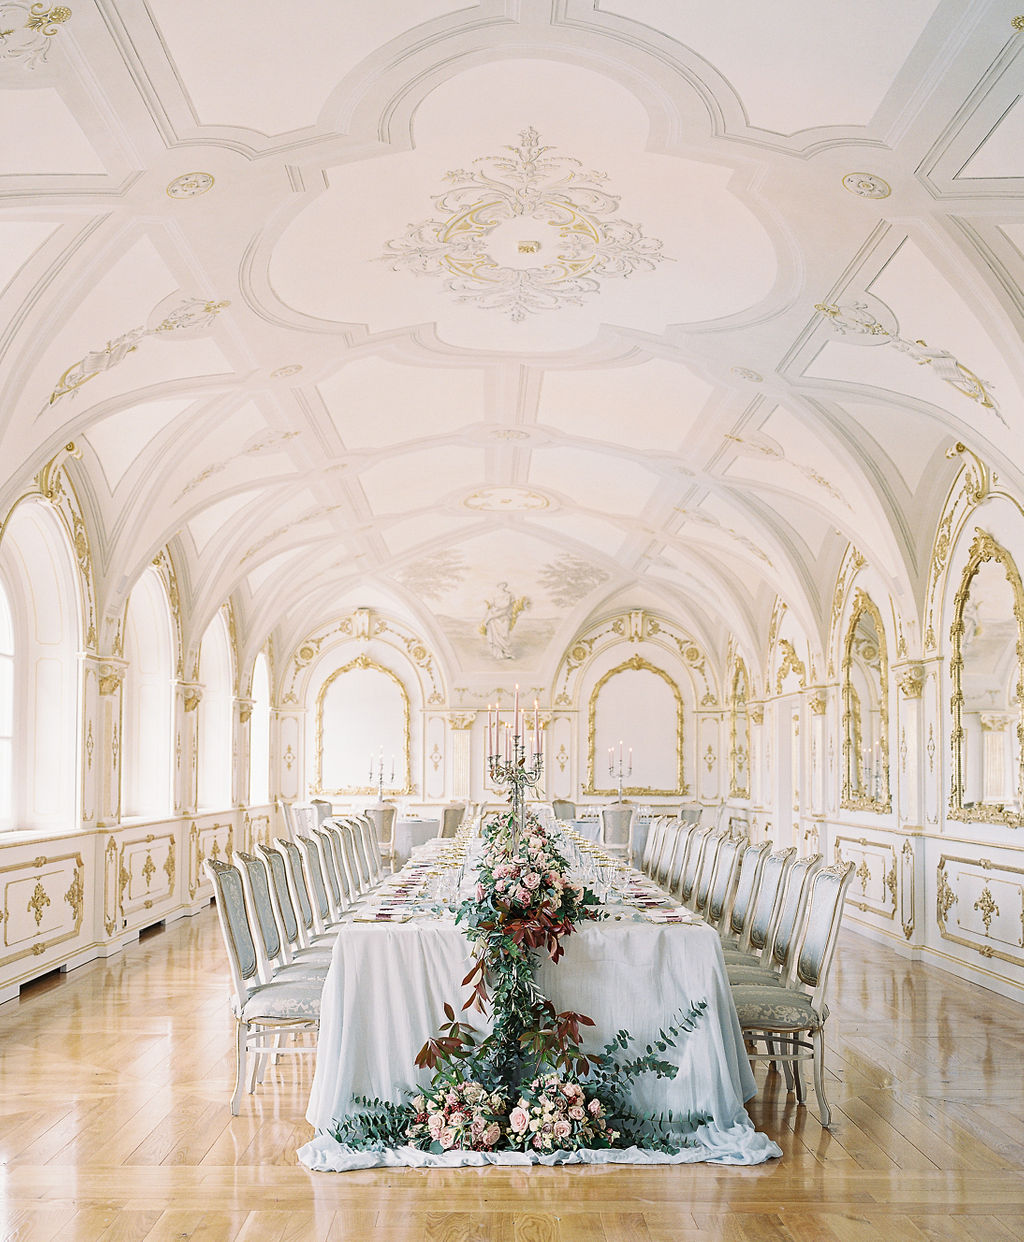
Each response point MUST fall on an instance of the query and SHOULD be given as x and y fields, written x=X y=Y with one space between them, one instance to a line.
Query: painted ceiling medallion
x=867 y=185
x=755 y=377
x=505 y=499
x=26 y=31
x=293 y=368
x=507 y=209
x=190 y=185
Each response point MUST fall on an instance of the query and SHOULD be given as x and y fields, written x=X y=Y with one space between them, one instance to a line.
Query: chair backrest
x=243 y=961
x=261 y=904
x=323 y=809
x=278 y=870
x=330 y=868
x=687 y=832
x=768 y=899
x=304 y=818
x=707 y=868
x=739 y=827
x=689 y=814
x=722 y=881
x=354 y=854
x=451 y=817
x=562 y=808
x=791 y=910
x=346 y=836
x=383 y=817
x=670 y=842
x=361 y=850
x=331 y=830
x=825 y=900
x=616 y=824
x=317 y=887
x=652 y=846
x=751 y=861
x=298 y=882
x=287 y=818
x=371 y=847
x=688 y=876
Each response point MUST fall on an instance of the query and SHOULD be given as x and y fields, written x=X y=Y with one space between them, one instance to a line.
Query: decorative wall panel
x=980 y=904
x=41 y=905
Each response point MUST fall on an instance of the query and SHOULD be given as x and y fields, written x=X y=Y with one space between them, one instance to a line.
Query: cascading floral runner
x=528 y=1085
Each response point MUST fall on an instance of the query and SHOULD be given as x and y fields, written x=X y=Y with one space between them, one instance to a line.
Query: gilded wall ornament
x=192 y=313
x=190 y=185
x=509 y=209
x=857 y=319
x=38 y=902
x=910 y=679
x=867 y=185
x=26 y=30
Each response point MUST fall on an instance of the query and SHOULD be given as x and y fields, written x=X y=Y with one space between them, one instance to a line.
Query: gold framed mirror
x=739 y=733
x=987 y=674
x=865 y=688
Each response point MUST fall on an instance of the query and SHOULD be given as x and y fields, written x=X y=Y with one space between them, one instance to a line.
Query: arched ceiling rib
x=656 y=299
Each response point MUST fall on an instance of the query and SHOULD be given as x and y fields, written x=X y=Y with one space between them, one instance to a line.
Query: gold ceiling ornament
x=752 y=377
x=190 y=185
x=191 y=313
x=506 y=500
x=507 y=208
x=715 y=523
x=293 y=368
x=867 y=185
x=1017 y=22
x=26 y=30
x=761 y=445
x=857 y=319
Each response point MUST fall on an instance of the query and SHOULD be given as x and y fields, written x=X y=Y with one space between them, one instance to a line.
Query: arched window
x=148 y=703
x=39 y=699
x=215 y=740
x=259 y=734
x=6 y=711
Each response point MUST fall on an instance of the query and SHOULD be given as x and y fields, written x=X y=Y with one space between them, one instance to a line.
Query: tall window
x=148 y=700
x=215 y=739
x=6 y=712
x=40 y=638
x=259 y=734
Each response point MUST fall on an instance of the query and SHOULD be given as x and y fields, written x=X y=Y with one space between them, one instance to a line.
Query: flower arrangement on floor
x=528 y=1085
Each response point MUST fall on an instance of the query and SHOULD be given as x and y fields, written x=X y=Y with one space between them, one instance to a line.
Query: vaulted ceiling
x=388 y=304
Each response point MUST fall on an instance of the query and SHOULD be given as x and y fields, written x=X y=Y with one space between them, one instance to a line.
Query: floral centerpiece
x=529 y=1084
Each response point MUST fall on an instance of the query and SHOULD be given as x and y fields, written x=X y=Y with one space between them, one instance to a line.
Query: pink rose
x=492 y=1134
x=435 y=1124
x=577 y=1113
x=447 y=1138
x=594 y=1108
x=532 y=881
x=562 y=1128
x=518 y=1120
x=522 y=896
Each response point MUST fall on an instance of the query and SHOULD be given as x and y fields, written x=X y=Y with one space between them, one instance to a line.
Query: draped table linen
x=388 y=983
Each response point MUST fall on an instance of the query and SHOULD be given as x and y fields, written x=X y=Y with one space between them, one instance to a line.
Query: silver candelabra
x=507 y=762
x=618 y=770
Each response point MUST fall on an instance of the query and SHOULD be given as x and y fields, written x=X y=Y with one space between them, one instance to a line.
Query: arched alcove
x=362 y=722
x=148 y=700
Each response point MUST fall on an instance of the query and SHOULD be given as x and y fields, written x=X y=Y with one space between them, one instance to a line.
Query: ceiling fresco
x=498 y=315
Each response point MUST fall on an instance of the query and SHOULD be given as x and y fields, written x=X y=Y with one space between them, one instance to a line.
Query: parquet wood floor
x=114 y=1127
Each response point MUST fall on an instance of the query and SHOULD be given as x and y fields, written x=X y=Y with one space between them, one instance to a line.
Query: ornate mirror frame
x=853 y=799
x=739 y=772
x=405 y=784
x=984 y=548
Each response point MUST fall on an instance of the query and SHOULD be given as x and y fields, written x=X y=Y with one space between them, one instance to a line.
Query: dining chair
x=339 y=833
x=263 y=1012
x=451 y=817
x=563 y=809
x=325 y=918
x=383 y=817
x=371 y=849
x=323 y=809
x=775 y=958
x=790 y=1019
x=672 y=840
x=617 y=829
x=288 y=920
x=652 y=846
x=688 y=878
x=329 y=864
x=674 y=874
x=709 y=857
x=309 y=931
x=271 y=948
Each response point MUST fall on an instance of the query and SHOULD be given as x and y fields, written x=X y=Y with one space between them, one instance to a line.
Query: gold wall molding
x=791 y=663
x=25 y=901
x=984 y=874
x=739 y=732
x=29 y=41
x=635 y=663
x=910 y=679
x=861 y=853
x=984 y=548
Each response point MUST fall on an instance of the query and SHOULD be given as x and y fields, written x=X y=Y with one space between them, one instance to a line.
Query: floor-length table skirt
x=388 y=983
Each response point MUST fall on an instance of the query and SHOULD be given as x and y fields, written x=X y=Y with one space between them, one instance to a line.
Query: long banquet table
x=389 y=980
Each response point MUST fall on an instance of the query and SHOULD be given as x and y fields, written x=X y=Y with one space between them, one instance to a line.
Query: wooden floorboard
x=114 y=1127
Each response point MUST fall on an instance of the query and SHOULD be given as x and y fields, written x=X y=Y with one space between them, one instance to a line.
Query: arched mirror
x=739 y=735
x=987 y=669
x=865 y=710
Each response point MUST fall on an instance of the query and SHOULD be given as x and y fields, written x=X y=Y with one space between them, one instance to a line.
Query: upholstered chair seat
x=764 y=1007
